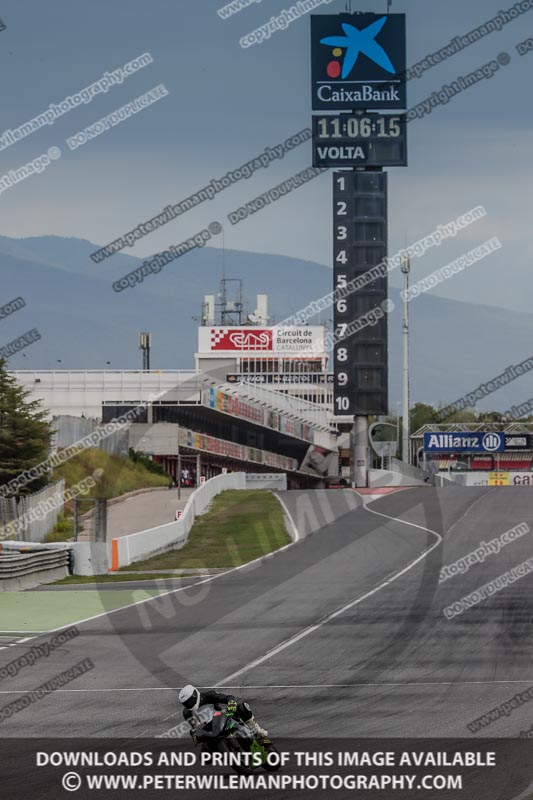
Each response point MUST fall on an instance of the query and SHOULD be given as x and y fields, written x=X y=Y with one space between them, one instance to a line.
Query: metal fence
x=37 y=512
x=70 y=429
x=8 y=510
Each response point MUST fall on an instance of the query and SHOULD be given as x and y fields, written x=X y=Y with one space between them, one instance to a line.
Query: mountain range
x=84 y=324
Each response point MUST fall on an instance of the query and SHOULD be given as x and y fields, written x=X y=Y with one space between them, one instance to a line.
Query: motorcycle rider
x=192 y=699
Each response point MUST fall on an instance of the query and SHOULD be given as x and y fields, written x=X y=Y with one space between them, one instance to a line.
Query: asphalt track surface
x=345 y=625
x=139 y=512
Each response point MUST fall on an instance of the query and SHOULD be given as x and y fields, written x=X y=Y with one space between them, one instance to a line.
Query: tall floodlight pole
x=398 y=429
x=406 y=266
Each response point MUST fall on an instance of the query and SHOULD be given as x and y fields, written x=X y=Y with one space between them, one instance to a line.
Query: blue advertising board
x=464 y=442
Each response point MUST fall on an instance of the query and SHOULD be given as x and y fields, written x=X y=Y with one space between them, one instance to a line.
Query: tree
x=422 y=414
x=24 y=432
x=490 y=416
x=465 y=415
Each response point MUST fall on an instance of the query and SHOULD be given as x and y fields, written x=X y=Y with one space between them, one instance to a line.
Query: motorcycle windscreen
x=202 y=718
x=219 y=723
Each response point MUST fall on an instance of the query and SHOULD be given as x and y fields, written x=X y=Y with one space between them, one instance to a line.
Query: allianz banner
x=463 y=442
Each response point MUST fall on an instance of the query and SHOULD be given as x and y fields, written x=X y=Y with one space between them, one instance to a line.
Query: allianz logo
x=489 y=441
x=452 y=440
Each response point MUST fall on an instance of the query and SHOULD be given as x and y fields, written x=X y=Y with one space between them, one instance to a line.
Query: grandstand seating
x=448 y=461
x=503 y=462
x=483 y=462
x=514 y=461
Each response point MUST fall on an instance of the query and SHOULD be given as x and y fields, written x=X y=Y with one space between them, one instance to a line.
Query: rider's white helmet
x=189 y=696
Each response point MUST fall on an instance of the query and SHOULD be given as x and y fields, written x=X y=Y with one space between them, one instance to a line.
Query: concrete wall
x=80 y=392
x=173 y=535
x=482 y=478
x=385 y=477
x=91 y=558
x=408 y=470
x=442 y=479
x=160 y=438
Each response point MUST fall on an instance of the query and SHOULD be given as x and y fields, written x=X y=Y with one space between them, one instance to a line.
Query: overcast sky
x=225 y=104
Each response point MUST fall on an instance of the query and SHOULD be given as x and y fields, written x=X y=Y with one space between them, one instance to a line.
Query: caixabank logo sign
x=358 y=61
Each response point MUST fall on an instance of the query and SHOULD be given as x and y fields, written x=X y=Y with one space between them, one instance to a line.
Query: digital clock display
x=360 y=140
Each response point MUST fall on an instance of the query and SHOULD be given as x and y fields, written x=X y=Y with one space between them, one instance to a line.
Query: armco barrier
x=173 y=535
x=27 y=569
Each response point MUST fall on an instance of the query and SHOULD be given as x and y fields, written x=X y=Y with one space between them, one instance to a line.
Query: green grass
x=63 y=531
x=119 y=476
x=240 y=526
x=44 y=611
x=74 y=579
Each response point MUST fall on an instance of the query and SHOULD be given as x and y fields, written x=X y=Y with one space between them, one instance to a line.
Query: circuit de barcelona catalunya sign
x=358 y=61
x=477 y=442
x=249 y=340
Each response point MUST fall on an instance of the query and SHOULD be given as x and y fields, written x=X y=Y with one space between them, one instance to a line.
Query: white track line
x=286 y=686
x=171 y=591
x=296 y=537
x=14 y=634
x=312 y=628
x=16 y=642
x=468 y=510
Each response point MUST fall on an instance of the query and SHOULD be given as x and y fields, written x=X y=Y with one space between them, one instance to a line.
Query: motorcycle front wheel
x=271 y=767
x=230 y=746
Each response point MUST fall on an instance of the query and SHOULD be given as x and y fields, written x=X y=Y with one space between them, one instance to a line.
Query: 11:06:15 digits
x=358 y=127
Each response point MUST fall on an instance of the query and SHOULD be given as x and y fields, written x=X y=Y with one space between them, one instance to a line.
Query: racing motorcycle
x=220 y=732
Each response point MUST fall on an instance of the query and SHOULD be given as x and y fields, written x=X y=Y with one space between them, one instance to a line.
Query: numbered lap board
x=360 y=355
